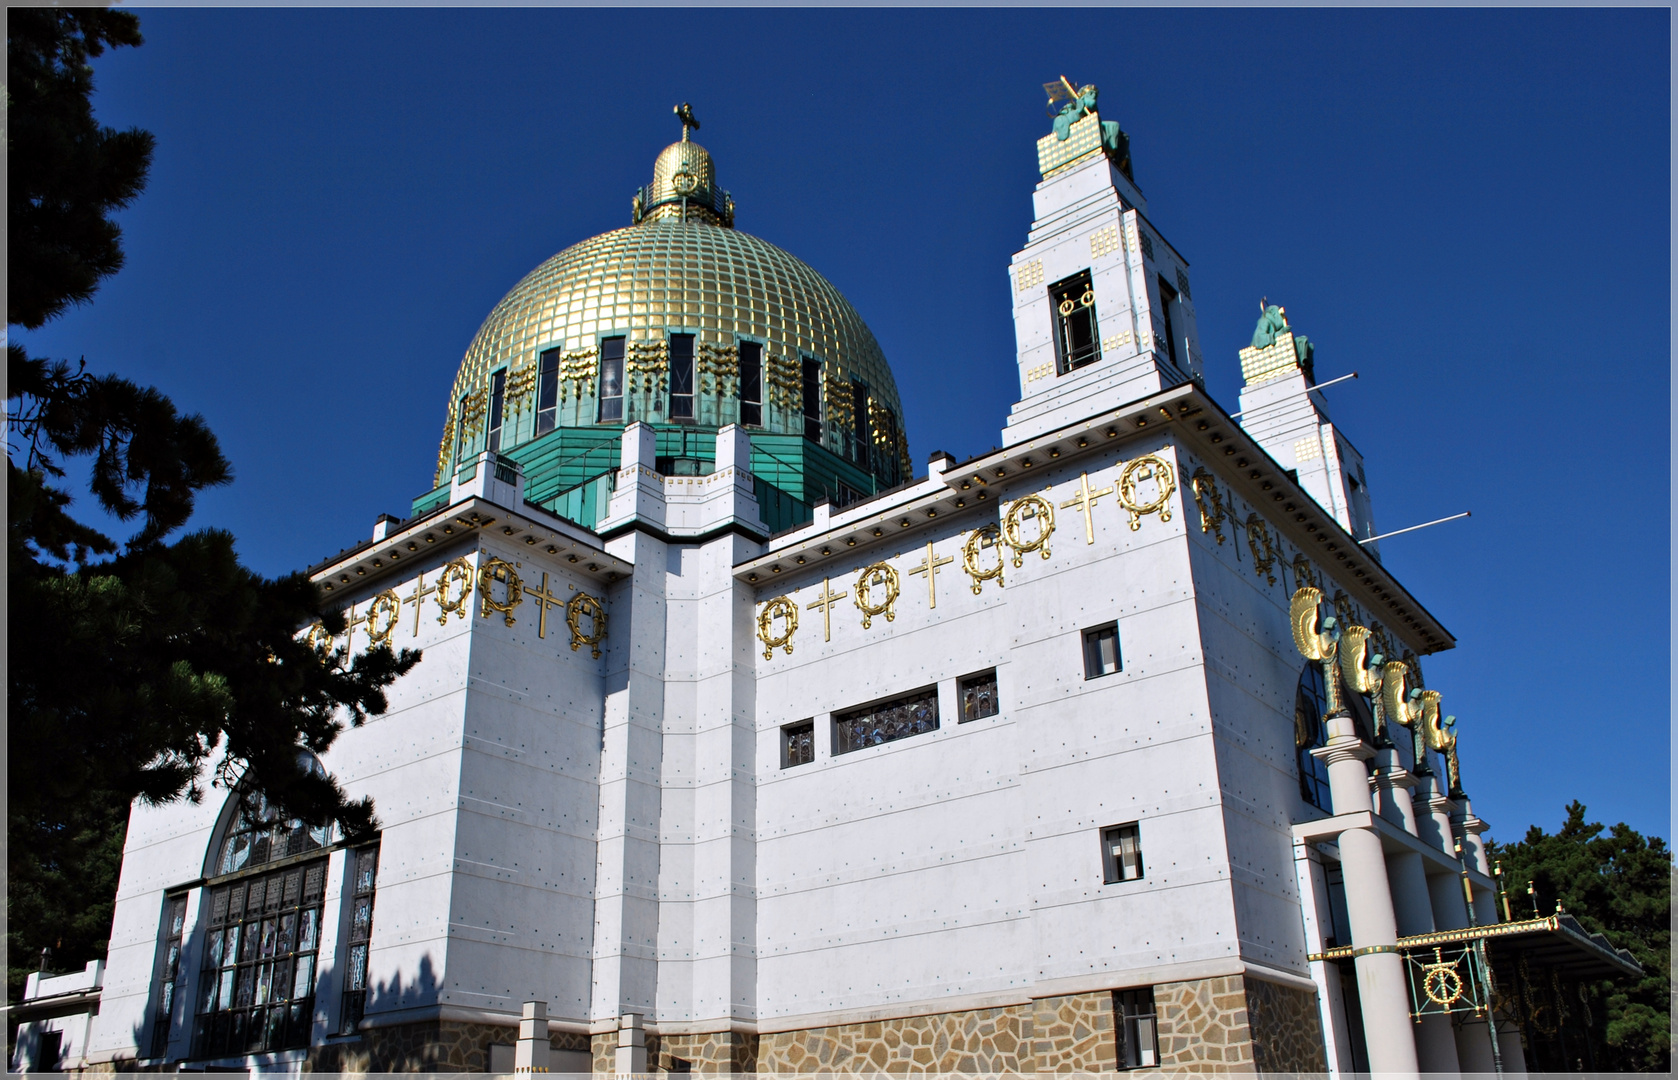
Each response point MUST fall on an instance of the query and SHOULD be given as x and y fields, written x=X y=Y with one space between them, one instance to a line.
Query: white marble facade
x=618 y=834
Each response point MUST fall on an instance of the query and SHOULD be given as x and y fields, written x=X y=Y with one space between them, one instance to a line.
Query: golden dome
x=668 y=275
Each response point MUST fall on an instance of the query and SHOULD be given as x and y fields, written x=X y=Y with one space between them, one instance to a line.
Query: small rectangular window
x=1074 y=303
x=50 y=1050
x=1167 y=297
x=751 y=383
x=681 y=376
x=497 y=400
x=798 y=744
x=611 y=379
x=1121 y=853
x=812 y=399
x=1101 y=651
x=547 y=391
x=978 y=696
x=886 y=721
x=365 y=869
x=1137 y=1027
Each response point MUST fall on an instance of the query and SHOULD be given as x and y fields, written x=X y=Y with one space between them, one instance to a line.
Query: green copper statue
x=1079 y=104
x=1273 y=319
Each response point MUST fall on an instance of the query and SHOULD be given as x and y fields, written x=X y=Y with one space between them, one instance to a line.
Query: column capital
x=1343 y=748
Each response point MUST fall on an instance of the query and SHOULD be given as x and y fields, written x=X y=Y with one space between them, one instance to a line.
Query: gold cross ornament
x=1084 y=500
x=825 y=602
x=929 y=567
x=544 y=600
x=420 y=593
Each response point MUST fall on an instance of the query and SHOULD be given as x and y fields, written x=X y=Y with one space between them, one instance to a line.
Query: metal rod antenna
x=1307 y=390
x=1413 y=528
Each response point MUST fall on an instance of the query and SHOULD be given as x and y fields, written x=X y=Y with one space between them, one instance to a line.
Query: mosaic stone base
x=429 y=1046
x=983 y=1040
x=1287 y=1028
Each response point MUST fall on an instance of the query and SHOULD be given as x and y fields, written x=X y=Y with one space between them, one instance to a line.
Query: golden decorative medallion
x=317 y=638
x=1206 y=494
x=1067 y=306
x=1303 y=575
x=1257 y=536
x=381 y=617
x=985 y=539
x=585 y=606
x=1440 y=981
x=1147 y=467
x=778 y=608
x=454 y=588
x=493 y=570
x=877 y=576
x=1029 y=508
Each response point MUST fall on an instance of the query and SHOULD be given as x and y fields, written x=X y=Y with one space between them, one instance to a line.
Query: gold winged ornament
x=1361 y=669
x=1317 y=639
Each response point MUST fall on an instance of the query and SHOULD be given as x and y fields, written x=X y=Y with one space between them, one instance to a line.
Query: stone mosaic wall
x=713 y=1052
x=428 y=1046
x=1287 y=1028
x=1203 y=1025
x=983 y=1040
x=1072 y=1034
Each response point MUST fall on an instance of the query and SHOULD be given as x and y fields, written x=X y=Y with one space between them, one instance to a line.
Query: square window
x=978 y=696
x=1135 y=1023
x=1101 y=651
x=798 y=744
x=1121 y=853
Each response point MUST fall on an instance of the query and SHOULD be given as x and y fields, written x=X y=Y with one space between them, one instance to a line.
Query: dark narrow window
x=1167 y=297
x=497 y=399
x=169 y=973
x=812 y=396
x=886 y=466
x=798 y=744
x=886 y=721
x=48 y=1051
x=978 y=696
x=681 y=376
x=460 y=448
x=1310 y=702
x=1121 y=853
x=611 y=379
x=859 y=423
x=1136 y=1025
x=1074 y=302
x=366 y=862
x=751 y=383
x=547 y=391
x=1101 y=651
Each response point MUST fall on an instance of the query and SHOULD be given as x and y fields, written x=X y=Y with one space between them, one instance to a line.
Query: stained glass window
x=1136 y=1024
x=360 y=938
x=169 y=973
x=798 y=744
x=886 y=721
x=258 y=987
x=259 y=836
x=978 y=696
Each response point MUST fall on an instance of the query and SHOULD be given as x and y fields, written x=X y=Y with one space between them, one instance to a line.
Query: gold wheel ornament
x=454 y=589
x=988 y=538
x=778 y=608
x=1067 y=306
x=381 y=617
x=882 y=576
x=1441 y=983
x=585 y=606
x=1029 y=508
x=492 y=571
x=1147 y=467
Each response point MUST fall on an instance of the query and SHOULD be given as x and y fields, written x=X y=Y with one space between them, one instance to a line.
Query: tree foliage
x=1618 y=883
x=157 y=666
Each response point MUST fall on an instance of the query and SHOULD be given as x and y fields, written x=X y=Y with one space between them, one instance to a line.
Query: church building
x=738 y=746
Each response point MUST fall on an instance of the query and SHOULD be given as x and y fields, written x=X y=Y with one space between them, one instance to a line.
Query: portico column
x=1369 y=907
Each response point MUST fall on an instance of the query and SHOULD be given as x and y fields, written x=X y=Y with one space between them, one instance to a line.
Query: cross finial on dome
x=684 y=112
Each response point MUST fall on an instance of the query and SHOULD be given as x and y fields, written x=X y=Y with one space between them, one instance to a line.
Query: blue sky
x=1470 y=208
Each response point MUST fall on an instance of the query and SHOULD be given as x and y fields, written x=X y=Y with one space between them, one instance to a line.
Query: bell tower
x=1103 y=312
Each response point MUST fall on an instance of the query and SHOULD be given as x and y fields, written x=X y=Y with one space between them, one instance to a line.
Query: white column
x=531 y=1053
x=632 y=1045
x=1369 y=908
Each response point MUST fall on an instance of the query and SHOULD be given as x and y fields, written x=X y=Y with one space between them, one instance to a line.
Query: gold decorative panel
x=1083 y=140
x=1030 y=275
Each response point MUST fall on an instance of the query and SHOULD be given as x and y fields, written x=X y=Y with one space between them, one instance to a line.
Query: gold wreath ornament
x=778 y=608
x=1147 y=467
x=381 y=617
x=317 y=638
x=454 y=588
x=882 y=576
x=1210 y=502
x=1029 y=508
x=493 y=570
x=580 y=607
x=985 y=539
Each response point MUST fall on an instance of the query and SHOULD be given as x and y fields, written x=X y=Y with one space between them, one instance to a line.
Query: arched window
x=1310 y=702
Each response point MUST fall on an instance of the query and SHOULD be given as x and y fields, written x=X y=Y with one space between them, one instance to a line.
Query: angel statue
x=1319 y=641
x=1273 y=320
x=1079 y=104
x=1363 y=673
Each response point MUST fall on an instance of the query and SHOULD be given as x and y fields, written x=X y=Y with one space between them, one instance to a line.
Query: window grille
x=751 y=383
x=169 y=973
x=978 y=696
x=886 y=721
x=1101 y=651
x=1121 y=853
x=263 y=937
x=611 y=379
x=497 y=400
x=1074 y=303
x=1137 y=1027
x=360 y=938
x=547 y=391
x=681 y=376
x=798 y=744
